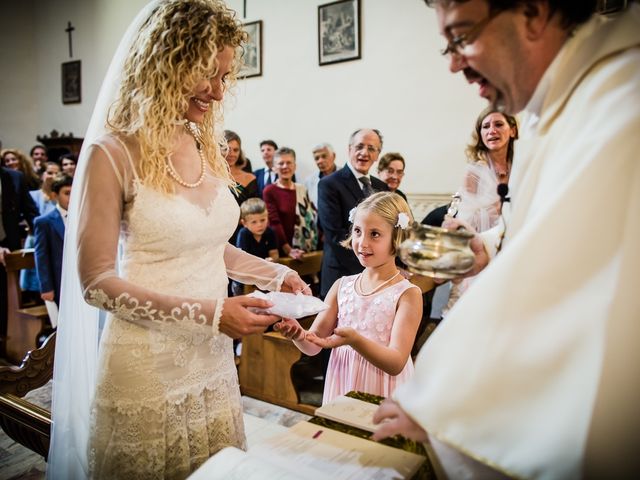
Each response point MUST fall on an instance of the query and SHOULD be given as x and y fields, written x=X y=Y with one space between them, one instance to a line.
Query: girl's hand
x=290 y=328
x=341 y=336
x=294 y=284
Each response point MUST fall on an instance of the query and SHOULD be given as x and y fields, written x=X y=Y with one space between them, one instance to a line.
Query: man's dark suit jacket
x=259 y=173
x=17 y=205
x=49 y=233
x=338 y=193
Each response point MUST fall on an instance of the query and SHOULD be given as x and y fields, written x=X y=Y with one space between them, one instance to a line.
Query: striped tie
x=366 y=186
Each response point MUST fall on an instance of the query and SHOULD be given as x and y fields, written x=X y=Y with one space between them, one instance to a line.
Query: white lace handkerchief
x=290 y=305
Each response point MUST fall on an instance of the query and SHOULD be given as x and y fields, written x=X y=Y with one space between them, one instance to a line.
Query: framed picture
x=338 y=31
x=252 y=50
x=71 y=82
x=607 y=7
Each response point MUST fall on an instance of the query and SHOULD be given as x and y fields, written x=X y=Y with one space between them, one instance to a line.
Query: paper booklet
x=350 y=411
x=311 y=452
x=52 y=311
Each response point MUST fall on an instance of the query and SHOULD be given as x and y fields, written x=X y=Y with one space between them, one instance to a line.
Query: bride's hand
x=294 y=284
x=237 y=321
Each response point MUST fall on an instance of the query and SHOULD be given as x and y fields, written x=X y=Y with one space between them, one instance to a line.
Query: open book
x=350 y=411
x=311 y=452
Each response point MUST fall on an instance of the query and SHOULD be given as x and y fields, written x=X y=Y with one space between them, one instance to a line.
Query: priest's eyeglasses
x=459 y=42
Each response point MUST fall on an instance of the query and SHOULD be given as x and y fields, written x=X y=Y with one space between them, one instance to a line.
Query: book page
x=52 y=311
x=350 y=411
x=319 y=453
x=233 y=464
x=307 y=451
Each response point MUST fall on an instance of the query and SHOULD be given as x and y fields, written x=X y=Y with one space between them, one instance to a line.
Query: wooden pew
x=24 y=324
x=23 y=421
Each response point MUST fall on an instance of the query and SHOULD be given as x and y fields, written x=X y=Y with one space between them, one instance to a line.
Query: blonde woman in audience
x=14 y=159
x=166 y=396
x=490 y=158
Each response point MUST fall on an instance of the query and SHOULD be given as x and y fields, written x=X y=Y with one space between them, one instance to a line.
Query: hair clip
x=352 y=214
x=403 y=220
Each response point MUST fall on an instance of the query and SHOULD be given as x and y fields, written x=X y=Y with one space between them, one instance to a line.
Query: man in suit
x=338 y=193
x=266 y=176
x=15 y=205
x=49 y=233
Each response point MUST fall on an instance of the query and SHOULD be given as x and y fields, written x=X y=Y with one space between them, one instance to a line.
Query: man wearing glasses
x=337 y=195
x=536 y=371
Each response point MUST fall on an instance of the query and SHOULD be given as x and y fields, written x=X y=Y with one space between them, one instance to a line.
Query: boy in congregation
x=256 y=236
x=49 y=233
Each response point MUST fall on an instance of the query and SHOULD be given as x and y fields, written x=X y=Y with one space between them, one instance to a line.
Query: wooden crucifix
x=70 y=28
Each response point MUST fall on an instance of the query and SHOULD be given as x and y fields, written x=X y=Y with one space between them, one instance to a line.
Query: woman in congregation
x=245 y=182
x=292 y=215
x=490 y=157
x=14 y=159
x=391 y=171
x=163 y=392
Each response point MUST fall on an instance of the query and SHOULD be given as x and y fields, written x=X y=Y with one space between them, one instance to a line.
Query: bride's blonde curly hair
x=175 y=49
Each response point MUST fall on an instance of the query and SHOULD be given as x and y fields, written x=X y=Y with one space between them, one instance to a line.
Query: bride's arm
x=249 y=269
x=102 y=197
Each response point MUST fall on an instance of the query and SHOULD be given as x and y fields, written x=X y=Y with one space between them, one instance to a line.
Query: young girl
x=373 y=317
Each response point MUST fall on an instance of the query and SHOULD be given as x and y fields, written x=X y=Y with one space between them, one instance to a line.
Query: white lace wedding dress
x=167 y=396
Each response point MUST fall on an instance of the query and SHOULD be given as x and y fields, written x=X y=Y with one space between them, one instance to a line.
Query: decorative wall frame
x=608 y=7
x=338 y=32
x=252 y=56
x=71 y=82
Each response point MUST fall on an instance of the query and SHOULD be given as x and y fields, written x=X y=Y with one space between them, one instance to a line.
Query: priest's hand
x=477 y=245
x=394 y=421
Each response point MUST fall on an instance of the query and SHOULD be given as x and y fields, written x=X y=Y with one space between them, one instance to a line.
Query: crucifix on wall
x=70 y=28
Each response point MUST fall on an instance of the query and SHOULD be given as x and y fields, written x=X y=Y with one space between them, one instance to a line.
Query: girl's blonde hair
x=388 y=206
x=175 y=49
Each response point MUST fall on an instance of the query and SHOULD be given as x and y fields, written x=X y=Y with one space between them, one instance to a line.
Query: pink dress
x=372 y=316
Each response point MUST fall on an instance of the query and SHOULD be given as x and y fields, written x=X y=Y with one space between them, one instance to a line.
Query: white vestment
x=536 y=371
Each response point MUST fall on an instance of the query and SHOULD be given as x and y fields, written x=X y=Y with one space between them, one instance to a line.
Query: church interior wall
x=401 y=85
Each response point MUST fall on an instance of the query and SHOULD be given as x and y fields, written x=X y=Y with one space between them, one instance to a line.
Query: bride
x=162 y=395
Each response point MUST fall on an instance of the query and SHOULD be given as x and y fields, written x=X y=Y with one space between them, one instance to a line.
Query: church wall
x=401 y=85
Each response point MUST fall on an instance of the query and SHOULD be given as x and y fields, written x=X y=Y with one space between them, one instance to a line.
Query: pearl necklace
x=203 y=161
x=386 y=282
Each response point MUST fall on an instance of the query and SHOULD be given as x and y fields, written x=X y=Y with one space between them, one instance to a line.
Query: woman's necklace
x=386 y=282
x=203 y=162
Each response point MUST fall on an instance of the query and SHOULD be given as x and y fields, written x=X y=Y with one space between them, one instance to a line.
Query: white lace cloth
x=167 y=395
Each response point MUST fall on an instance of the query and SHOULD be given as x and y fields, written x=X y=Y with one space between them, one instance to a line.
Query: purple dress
x=372 y=317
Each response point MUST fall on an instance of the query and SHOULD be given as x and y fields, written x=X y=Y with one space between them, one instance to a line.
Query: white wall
x=401 y=85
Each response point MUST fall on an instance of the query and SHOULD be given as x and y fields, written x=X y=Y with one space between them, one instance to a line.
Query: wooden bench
x=23 y=421
x=266 y=367
x=24 y=324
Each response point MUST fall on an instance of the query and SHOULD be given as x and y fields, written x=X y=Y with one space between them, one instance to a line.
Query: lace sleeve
x=251 y=270
x=104 y=193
